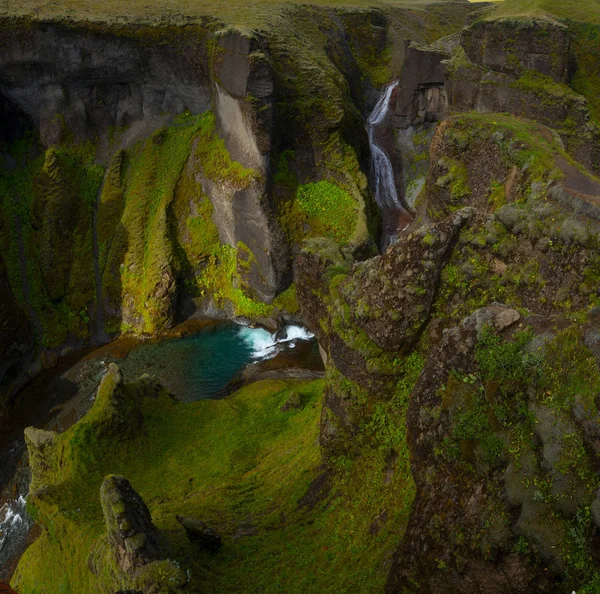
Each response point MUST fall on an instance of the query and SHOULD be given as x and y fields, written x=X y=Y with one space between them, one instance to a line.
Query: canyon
x=408 y=188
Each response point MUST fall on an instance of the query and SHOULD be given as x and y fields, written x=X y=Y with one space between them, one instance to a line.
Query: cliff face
x=154 y=172
x=461 y=332
x=524 y=67
x=119 y=212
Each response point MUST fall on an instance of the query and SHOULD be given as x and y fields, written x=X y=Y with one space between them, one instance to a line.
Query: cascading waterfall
x=386 y=194
x=265 y=345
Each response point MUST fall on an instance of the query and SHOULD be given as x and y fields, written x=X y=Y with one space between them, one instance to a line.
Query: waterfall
x=265 y=345
x=386 y=194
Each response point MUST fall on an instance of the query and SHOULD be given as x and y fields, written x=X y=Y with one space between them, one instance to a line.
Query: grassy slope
x=243 y=12
x=242 y=465
x=577 y=10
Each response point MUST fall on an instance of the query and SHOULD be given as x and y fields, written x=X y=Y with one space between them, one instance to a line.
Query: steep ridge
x=459 y=413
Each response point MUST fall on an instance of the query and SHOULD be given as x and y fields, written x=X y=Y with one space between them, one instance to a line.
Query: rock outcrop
x=364 y=312
x=504 y=502
x=131 y=533
x=202 y=534
x=524 y=67
x=422 y=94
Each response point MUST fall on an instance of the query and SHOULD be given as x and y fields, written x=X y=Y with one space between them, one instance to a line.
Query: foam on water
x=265 y=345
x=261 y=342
x=13 y=517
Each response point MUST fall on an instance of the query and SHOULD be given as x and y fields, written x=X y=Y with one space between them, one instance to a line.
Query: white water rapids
x=386 y=194
x=265 y=345
x=14 y=527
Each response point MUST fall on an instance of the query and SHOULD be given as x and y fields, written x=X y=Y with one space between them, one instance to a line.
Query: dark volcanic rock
x=16 y=339
x=523 y=67
x=131 y=533
x=421 y=87
x=391 y=296
x=200 y=533
x=243 y=71
x=488 y=501
x=86 y=80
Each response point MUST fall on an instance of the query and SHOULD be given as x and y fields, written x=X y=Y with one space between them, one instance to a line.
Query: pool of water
x=203 y=364
x=192 y=367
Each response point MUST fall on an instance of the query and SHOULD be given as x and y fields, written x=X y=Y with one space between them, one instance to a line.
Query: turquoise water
x=201 y=365
x=197 y=366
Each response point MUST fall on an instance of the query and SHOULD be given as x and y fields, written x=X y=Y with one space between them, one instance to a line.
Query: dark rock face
x=16 y=339
x=200 y=533
x=421 y=88
x=524 y=68
x=391 y=296
x=364 y=312
x=494 y=501
x=244 y=107
x=85 y=80
x=508 y=46
x=131 y=533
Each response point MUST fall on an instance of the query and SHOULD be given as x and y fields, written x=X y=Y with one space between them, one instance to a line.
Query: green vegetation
x=328 y=208
x=586 y=81
x=45 y=232
x=587 y=11
x=239 y=464
x=160 y=179
x=319 y=209
x=245 y=13
x=457 y=179
x=495 y=410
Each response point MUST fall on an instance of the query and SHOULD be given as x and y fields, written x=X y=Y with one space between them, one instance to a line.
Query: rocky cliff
x=458 y=427
x=154 y=172
x=473 y=330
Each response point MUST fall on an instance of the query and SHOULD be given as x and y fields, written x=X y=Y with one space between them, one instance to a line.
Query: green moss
x=216 y=163
x=457 y=179
x=497 y=195
x=287 y=300
x=261 y=463
x=327 y=206
x=45 y=229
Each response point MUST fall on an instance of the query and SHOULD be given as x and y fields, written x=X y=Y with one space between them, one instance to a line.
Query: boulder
x=131 y=533
x=200 y=533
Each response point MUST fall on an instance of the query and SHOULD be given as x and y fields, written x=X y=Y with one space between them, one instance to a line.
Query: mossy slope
x=240 y=464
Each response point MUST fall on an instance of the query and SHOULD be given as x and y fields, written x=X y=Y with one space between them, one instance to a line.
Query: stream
x=202 y=360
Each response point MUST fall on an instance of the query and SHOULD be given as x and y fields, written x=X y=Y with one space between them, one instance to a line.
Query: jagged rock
x=42 y=456
x=131 y=533
x=200 y=533
x=532 y=496
x=381 y=305
x=391 y=296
